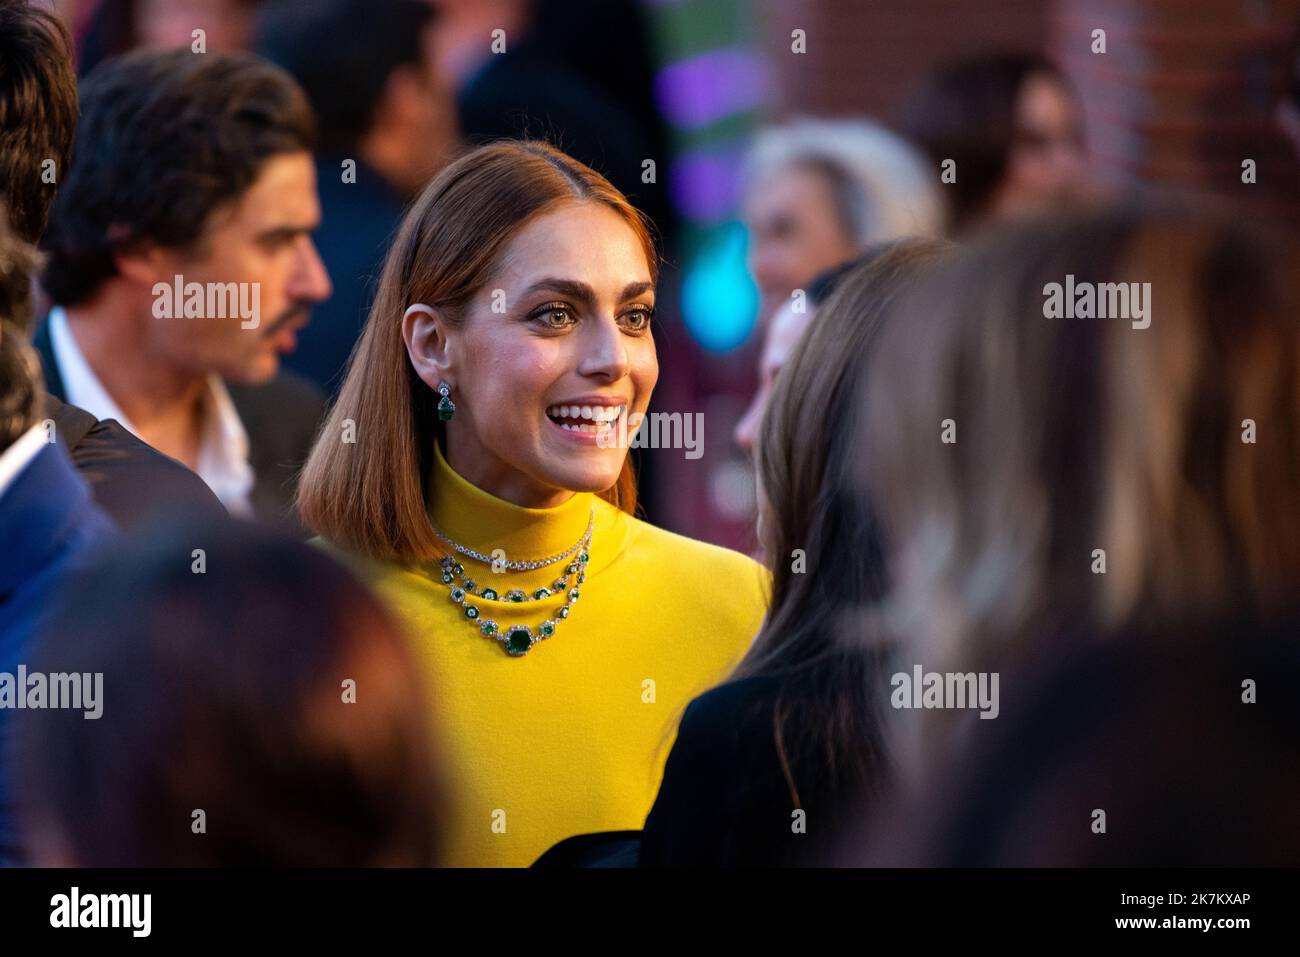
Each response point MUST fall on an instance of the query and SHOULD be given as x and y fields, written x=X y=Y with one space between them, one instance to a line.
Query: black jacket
x=129 y=479
x=281 y=418
x=726 y=800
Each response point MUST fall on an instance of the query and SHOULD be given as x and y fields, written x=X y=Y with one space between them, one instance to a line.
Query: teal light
x=719 y=299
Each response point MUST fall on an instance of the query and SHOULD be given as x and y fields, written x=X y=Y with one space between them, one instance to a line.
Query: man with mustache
x=192 y=171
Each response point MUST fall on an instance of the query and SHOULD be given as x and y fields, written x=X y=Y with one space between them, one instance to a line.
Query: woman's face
x=1045 y=168
x=795 y=232
x=556 y=345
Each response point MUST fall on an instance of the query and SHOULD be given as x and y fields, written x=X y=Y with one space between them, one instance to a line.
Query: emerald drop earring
x=446 y=408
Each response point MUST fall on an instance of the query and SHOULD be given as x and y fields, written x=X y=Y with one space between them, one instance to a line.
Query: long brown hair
x=1169 y=452
x=367 y=495
x=819 y=536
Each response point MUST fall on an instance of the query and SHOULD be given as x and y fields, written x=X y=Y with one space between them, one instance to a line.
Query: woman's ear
x=425 y=332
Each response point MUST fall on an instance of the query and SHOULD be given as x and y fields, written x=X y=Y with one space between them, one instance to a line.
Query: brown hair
x=1076 y=434
x=167 y=138
x=368 y=496
x=810 y=482
x=21 y=382
x=229 y=691
x=38 y=111
x=966 y=112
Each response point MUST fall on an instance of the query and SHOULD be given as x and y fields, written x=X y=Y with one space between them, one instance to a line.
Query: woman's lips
x=585 y=423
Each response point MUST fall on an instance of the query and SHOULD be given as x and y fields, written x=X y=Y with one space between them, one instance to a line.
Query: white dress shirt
x=223 y=441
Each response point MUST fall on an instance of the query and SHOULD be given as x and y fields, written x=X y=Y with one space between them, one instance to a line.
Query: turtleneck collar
x=481 y=521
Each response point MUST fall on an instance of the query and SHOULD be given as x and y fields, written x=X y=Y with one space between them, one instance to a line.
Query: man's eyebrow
x=287 y=232
x=582 y=292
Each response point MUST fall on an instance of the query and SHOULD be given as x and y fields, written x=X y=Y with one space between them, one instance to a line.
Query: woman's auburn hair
x=363 y=487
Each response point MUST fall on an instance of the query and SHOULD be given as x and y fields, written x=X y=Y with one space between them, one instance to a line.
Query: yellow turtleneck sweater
x=571 y=737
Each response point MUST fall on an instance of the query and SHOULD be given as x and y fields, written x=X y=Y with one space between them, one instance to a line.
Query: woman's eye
x=554 y=317
x=638 y=319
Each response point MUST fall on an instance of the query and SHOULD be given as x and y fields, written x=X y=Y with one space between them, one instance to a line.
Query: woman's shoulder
x=654 y=543
x=376 y=572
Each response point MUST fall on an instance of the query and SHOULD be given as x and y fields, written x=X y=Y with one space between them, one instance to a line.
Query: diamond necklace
x=517 y=639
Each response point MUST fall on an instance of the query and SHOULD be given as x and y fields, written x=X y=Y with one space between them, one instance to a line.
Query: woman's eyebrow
x=581 y=291
x=571 y=288
x=634 y=289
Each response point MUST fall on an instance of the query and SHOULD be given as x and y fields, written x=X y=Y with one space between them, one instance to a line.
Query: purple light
x=705 y=186
x=699 y=91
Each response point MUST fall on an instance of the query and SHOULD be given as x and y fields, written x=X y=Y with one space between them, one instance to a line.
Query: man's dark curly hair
x=20 y=370
x=166 y=138
x=38 y=112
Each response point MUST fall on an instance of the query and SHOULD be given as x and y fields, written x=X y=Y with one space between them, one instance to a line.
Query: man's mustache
x=298 y=311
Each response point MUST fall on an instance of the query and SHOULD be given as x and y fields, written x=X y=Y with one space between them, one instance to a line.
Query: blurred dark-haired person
x=268 y=690
x=1049 y=472
x=38 y=107
x=1189 y=744
x=179 y=252
x=775 y=766
x=47 y=519
x=386 y=122
x=1011 y=126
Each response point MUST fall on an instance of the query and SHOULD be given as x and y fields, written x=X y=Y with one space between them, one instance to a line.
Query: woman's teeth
x=585 y=418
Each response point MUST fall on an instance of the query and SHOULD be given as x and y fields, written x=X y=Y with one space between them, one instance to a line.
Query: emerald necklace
x=517 y=639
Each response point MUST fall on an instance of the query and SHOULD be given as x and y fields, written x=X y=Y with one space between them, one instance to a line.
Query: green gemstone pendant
x=518 y=640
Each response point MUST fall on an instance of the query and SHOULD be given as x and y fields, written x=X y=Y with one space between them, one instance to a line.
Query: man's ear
x=143 y=263
x=430 y=348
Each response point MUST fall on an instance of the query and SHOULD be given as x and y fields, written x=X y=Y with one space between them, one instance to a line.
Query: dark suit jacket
x=129 y=479
x=280 y=417
x=48 y=526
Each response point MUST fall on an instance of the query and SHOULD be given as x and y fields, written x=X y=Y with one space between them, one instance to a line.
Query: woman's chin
x=594 y=476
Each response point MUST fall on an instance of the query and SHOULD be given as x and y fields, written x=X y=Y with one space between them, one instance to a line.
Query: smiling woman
x=465 y=467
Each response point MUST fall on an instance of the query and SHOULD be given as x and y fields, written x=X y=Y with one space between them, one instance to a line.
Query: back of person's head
x=819 y=536
x=969 y=112
x=881 y=187
x=38 y=112
x=257 y=707
x=1038 y=467
x=1178 y=750
x=168 y=138
x=21 y=383
x=344 y=54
